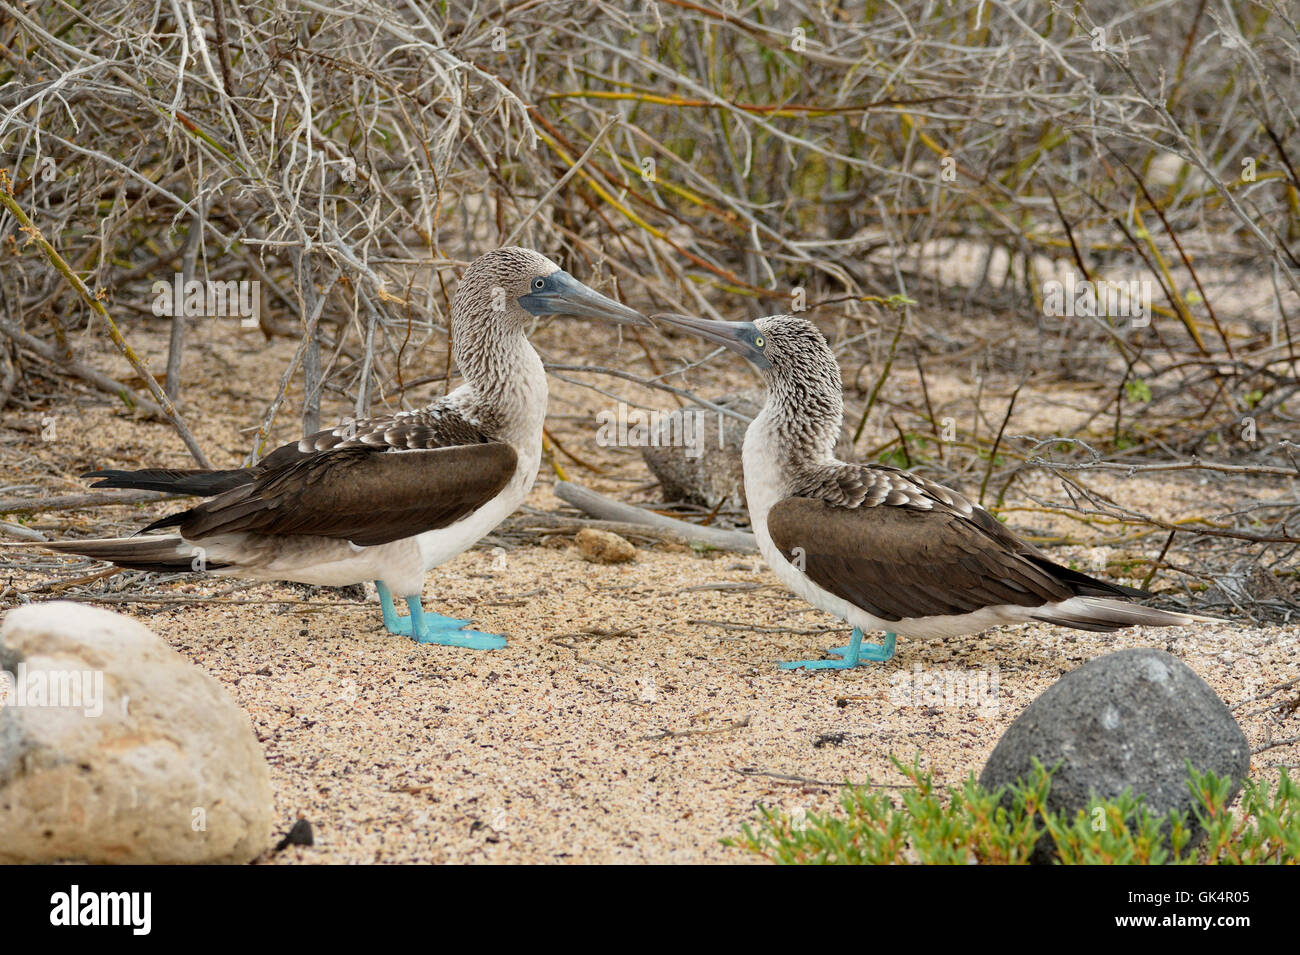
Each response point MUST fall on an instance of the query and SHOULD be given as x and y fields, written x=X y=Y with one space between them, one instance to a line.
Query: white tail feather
x=1105 y=614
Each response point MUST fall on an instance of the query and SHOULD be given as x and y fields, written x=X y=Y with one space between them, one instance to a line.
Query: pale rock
x=603 y=547
x=169 y=771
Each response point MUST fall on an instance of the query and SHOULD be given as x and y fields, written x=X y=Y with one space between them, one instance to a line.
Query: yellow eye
x=759 y=341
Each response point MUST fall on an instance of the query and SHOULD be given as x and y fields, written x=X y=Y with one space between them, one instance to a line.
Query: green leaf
x=970 y=824
x=1137 y=390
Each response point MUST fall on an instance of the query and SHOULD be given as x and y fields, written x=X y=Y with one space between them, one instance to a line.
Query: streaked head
x=802 y=375
x=781 y=347
x=519 y=283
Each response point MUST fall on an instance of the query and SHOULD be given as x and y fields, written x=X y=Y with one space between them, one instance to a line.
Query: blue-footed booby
x=385 y=498
x=879 y=547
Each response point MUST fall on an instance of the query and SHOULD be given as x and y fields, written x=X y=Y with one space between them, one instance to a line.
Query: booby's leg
x=402 y=625
x=869 y=652
x=855 y=654
x=393 y=623
x=423 y=632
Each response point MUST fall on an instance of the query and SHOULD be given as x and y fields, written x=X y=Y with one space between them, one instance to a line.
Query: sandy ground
x=637 y=715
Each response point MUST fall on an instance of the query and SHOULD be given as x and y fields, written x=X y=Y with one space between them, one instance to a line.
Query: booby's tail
x=1105 y=615
x=197 y=481
x=1096 y=607
x=161 y=552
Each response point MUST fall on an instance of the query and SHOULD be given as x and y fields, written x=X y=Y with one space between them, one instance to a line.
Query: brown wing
x=899 y=561
x=440 y=425
x=365 y=495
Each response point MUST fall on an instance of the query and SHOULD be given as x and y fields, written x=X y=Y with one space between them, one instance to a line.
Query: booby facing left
x=384 y=498
x=878 y=547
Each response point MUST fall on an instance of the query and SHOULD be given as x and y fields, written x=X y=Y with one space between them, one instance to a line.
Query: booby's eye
x=539 y=284
x=758 y=341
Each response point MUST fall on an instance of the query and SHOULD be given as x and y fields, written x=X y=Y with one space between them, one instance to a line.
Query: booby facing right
x=385 y=498
x=877 y=546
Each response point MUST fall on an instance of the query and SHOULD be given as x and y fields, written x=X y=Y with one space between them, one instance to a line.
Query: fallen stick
x=751 y=772
x=755 y=628
x=58 y=586
x=708 y=731
x=17 y=530
x=560 y=524
x=58 y=502
x=599 y=506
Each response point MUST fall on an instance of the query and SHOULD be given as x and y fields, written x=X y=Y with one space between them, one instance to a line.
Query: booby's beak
x=561 y=294
x=743 y=338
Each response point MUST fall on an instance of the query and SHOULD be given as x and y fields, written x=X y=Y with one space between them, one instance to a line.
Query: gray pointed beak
x=565 y=295
x=743 y=338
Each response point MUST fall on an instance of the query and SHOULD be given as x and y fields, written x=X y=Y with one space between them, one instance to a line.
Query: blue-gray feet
x=855 y=654
x=431 y=627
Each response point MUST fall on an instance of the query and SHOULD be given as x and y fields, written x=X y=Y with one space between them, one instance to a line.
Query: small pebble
x=603 y=547
x=299 y=834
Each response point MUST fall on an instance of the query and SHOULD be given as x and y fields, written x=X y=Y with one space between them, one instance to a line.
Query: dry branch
x=607 y=509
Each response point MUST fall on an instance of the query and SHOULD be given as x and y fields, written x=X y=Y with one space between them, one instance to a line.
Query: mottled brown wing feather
x=365 y=495
x=425 y=429
x=899 y=561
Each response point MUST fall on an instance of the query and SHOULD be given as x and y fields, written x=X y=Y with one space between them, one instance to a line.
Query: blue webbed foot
x=426 y=629
x=816 y=665
x=431 y=627
x=468 y=639
x=433 y=622
x=855 y=654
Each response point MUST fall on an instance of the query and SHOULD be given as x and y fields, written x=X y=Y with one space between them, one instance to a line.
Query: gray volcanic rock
x=1128 y=720
x=709 y=472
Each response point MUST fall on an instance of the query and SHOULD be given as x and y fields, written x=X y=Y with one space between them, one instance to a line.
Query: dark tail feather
x=1082 y=584
x=171 y=520
x=161 y=553
x=170 y=481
